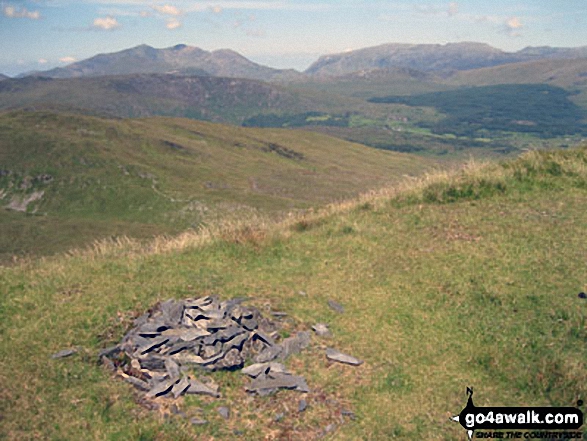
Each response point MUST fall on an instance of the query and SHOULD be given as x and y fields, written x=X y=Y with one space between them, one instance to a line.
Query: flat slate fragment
x=336 y=306
x=224 y=412
x=302 y=406
x=334 y=355
x=139 y=384
x=295 y=344
x=172 y=368
x=180 y=387
x=269 y=353
x=257 y=369
x=265 y=385
x=64 y=353
x=198 y=388
x=161 y=388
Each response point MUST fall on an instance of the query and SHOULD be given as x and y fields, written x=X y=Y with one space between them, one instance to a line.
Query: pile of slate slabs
x=179 y=337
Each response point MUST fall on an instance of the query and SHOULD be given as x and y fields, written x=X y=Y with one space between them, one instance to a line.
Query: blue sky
x=41 y=34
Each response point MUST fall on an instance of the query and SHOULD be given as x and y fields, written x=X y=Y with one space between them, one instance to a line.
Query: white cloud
x=216 y=9
x=106 y=23
x=43 y=61
x=67 y=60
x=173 y=24
x=12 y=12
x=167 y=10
x=449 y=10
x=514 y=23
x=453 y=8
x=513 y=26
x=145 y=14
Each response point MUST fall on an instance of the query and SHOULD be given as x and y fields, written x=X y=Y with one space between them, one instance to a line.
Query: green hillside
x=455 y=281
x=66 y=179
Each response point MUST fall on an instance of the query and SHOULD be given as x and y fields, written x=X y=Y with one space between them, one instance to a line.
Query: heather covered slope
x=67 y=179
x=466 y=280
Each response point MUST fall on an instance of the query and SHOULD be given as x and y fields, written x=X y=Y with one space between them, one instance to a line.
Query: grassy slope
x=151 y=176
x=462 y=280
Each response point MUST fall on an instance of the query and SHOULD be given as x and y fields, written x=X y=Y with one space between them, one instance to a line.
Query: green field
x=456 y=280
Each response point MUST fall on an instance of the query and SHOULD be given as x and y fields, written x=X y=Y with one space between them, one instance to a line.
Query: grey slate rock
x=106 y=362
x=64 y=353
x=139 y=384
x=261 y=336
x=237 y=342
x=198 y=422
x=249 y=324
x=180 y=387
x=231 y=360
x=302 y=406
x=198 y=388
x=334 y=355
x=295 y=344
x=207 y=333
x=321 y=330
x=152 y=345
x=348 y=413
x=265 y=385
x=152 y=363
x=257 y=369
x=268 y=354
x=224 y=412
x=334 y=305
x=110 y=352
x=161 y=388
x=172 y=368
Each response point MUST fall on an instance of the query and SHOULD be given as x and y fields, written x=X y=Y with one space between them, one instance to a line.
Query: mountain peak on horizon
x=446 y=57
x=180 y=59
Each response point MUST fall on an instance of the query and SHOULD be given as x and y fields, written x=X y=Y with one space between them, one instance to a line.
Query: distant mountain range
x=433 y=58
x=180 y=60
x=3 y=77
x=186 y=60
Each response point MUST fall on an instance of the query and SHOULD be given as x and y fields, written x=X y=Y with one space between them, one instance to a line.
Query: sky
x=42 y=34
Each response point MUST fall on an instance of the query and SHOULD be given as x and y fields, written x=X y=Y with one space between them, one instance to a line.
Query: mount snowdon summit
x=180 y=59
